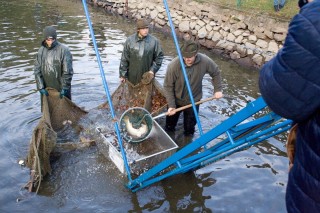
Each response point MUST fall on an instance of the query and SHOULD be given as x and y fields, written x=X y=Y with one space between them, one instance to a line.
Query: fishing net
x=132 y=102
x=56 y=114
x=135 y=124
x=62 y=121
x=148 y=94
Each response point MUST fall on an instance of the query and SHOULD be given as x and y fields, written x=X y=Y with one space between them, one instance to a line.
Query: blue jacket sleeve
x=290 y=82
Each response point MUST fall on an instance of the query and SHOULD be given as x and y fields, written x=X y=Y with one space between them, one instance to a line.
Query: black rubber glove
x=63 y=93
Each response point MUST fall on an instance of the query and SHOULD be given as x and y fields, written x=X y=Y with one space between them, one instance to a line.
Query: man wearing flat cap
x=53 y=65
x=141 y=54
x=196 y=66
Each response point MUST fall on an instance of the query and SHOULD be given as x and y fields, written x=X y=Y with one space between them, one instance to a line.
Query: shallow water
x=252 y=180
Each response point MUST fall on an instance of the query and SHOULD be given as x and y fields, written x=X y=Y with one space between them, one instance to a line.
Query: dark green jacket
x=53 y=67
x=140 y=56
x=174 y=83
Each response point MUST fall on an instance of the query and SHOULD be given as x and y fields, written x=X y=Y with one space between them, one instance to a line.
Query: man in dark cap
x=53 y=65
x=141 y=54
x=290 y=85
x=196 y=65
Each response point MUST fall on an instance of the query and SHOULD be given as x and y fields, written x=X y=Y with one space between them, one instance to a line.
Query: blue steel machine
x=252 y=124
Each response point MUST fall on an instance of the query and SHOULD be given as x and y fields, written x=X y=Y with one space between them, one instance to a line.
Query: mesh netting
x=56 y=113
x=61 y=118
x=149 y=96
x=135 y=124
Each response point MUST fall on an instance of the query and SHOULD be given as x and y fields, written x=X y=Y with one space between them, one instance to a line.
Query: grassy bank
x=264 y=7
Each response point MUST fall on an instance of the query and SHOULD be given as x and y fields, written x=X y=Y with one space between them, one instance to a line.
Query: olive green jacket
x=140 y=55
x=53 y=67
x=174 y=84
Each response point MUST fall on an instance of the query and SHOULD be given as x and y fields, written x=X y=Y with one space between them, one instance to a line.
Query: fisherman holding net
x=141 y=58
x=53 y=73
x=142 y=55
x=53 y=65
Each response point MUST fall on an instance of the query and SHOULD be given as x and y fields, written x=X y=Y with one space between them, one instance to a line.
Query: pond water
x=253 y=180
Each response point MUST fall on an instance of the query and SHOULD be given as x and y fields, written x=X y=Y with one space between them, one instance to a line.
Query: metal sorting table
x=141 y=156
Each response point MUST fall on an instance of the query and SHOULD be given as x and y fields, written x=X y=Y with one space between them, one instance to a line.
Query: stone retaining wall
x=250 y=40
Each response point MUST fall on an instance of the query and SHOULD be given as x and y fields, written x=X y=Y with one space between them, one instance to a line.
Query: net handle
x=186 y=106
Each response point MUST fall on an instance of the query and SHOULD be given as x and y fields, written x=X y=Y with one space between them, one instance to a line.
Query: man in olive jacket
x=53 y=65
x=141 y=54
x=196 y=65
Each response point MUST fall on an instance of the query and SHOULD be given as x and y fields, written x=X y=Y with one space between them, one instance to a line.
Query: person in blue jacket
x=290 y=85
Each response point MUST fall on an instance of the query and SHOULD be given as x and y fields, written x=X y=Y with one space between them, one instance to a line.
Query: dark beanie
x=189 y=49
x=142 y=23
x=301 y=3
x=50 y=32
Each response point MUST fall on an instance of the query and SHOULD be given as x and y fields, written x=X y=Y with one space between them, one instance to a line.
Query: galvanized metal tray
x=141 y=156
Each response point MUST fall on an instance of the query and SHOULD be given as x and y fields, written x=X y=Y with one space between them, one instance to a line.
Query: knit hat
x=189 y=49
x=50 y=32
x=301 y=3
x=142 y=23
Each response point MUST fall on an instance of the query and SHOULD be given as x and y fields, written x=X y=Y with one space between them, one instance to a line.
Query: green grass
x=264 y=7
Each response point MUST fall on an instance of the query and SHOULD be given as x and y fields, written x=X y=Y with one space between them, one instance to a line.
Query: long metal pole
x=105 y=84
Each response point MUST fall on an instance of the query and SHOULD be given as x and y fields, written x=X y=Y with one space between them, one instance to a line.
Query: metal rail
x=242 y=130
x=106 y=88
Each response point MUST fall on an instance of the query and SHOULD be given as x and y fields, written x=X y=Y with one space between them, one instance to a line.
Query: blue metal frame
x=106 y=88
x=242 y=130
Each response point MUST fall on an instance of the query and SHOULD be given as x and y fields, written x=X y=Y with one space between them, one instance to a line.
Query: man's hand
x=171 y=111
x=218 y=95
x=122 y=79
x=44 y=92
x=147 y=77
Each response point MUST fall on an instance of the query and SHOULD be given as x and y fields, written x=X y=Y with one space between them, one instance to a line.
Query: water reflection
x=166 y=198
x=84 y=180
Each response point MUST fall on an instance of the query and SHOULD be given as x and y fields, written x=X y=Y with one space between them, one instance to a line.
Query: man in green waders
x=141 y=54
x=53 y=65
